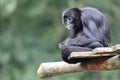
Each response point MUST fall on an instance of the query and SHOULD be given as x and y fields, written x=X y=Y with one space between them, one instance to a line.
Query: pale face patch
x=70 y=26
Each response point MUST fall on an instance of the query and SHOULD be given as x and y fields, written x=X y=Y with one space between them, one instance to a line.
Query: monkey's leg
x=69 y=49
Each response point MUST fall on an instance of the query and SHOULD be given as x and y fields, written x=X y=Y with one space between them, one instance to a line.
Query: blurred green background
x=30 y=31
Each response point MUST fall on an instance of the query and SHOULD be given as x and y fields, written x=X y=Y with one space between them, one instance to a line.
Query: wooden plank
x=98 y=52
x=79 y=55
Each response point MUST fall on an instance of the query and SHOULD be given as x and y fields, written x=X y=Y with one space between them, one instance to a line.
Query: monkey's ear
x=77 y=11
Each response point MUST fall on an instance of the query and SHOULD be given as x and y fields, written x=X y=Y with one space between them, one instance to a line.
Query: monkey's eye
x=70 y=18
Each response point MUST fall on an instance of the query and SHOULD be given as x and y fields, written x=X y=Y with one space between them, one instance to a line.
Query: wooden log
x=95 y=64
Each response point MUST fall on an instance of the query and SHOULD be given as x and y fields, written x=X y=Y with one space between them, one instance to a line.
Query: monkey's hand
x=62 y=45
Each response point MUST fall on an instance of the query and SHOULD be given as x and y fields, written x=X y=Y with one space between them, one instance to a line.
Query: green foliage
x=30 y=31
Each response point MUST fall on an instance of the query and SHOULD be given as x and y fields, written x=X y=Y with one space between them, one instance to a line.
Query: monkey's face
x=68 y=21
x=70 y=18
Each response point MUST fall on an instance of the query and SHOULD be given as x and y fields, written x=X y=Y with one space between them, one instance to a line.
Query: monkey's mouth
x=70 y=26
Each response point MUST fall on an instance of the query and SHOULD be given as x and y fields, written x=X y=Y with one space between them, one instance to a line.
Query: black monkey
x=89 y=29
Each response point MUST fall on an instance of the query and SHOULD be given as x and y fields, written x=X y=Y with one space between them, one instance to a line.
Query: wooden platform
x=106 y=58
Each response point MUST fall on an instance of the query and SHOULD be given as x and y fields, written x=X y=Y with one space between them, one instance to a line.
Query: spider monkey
x=89 y=28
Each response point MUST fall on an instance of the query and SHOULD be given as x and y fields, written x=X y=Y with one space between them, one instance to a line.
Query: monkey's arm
x=82 y=41
x=92 y=37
